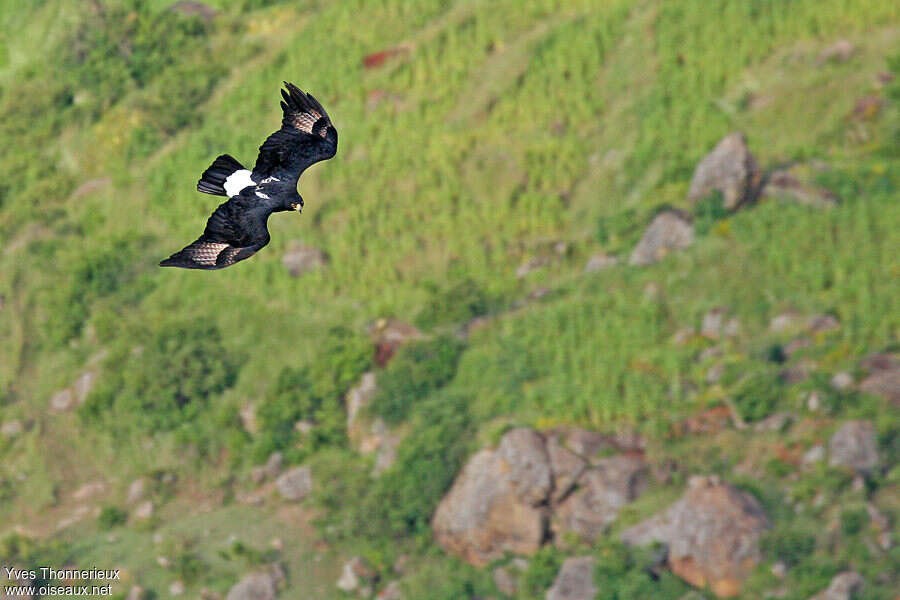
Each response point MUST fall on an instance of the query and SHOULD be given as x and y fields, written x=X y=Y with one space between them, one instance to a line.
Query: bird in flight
x=237 y=228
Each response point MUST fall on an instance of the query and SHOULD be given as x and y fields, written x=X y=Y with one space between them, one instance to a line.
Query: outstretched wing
x=235 y=231
x=306 y=137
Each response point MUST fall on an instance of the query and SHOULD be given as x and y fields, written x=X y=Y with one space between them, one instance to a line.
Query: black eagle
x=237 y=228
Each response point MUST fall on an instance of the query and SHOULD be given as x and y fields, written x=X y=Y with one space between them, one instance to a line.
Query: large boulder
x=294 y=484
x=883 y=378
x=729 y=169
x=495 y=505
x=842 y=587
x=711 y=534
x=575 y=580
x=670 y=230
x=854 y=446
x=602 y=491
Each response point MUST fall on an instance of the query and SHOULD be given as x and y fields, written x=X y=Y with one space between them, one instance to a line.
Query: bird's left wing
x=306 y=137
x=235 y=231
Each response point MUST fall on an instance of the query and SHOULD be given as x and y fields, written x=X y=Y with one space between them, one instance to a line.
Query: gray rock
x=567 y=467
x=144 y=510
x=797 y=184
x=602 y=492
x=712 y=534
x=273 y=465
x=530 y=474
x=598 y=262
x=822 y=323
x=842 y=381
x=670 y=230
x=483 y=515
x=506 y=581
x=137 y=490
x=82 y=386
x=62 y=400
x=12 y=428
x=839 y=51
x=854 y=445
x=730 y=169
x=359 y=397
x=247 y=414
x=300 y=259
x=176 y=588
x=842 y=587
x=575 y=580
x=883 y=383
x=774 y=422
x=814 y=455
x=295 y=484
x=354 y=574
x=786 y=322
x=256 y=586
x=713 y=323
x=390 y=592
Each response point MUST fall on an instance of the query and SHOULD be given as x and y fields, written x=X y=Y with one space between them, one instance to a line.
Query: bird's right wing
x=234 y=232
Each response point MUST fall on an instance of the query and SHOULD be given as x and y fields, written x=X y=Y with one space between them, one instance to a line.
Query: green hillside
x=496 y=135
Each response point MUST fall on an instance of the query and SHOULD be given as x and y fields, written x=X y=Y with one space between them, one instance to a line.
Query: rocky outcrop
x=854 y=446
x=842 y=587
x=711 y=534
x=503 y=499
x=388 y=335
x=600 y=261
x=294 y=484
x=575 y=580
x=883 y=377
x=670 y=230
x=75 y=395
x=730 y=169
x=355 y=574
x=603 y=489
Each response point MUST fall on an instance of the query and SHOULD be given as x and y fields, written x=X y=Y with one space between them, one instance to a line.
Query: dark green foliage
x=853 y=520
x=111 y=516
x=707 y=211
x=313 y=393
x=758 y=393
x=401 y=501
x=789 y=543
x=448 y=579
x=458 y=303
x=623 y=573
x=92 y=278
x=165 y=383
x=617 y=228
x=417 y=370
x=31 y=554
x=542 y=569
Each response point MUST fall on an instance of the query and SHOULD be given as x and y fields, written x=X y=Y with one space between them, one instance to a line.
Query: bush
x=111 y=516
x=758 y=394
x=181 y=366
x=313 y=393
x=542 y=569
x=707 y=211
x=459 y=303
x=417 y=370
x=853 y=520
x=789 y=544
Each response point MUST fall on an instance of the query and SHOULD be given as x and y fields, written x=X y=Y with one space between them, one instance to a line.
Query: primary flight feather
x=237 y=228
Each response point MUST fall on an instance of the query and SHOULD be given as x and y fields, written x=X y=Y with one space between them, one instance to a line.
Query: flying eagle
x=237 y=228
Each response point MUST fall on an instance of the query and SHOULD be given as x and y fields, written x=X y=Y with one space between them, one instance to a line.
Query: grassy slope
x=503 y=128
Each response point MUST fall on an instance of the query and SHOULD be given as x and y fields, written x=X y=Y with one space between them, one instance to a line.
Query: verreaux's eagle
x=237 y=228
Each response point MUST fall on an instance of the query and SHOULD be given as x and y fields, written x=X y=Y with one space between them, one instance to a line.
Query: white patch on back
x=261 y=195
x=237 y=181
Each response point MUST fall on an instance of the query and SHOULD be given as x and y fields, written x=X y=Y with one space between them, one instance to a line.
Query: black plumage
x=237 y=228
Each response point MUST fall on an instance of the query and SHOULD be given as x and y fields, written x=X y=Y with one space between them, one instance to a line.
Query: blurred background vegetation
x=494 y=135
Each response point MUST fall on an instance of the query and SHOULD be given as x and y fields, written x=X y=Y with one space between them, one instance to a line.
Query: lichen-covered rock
x=712 y=535
x=294 y=484
x=575 y=580
x=602 y=491
x=256 y=586
x=842 y=587
x=491 y=509
x=730 y=169
x=670 y=230
x=854 y=445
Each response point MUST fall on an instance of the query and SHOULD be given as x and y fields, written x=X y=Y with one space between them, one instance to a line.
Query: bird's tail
x=213 y=179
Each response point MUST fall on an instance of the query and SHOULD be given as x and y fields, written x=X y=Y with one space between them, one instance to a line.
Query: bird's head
x=294 y=204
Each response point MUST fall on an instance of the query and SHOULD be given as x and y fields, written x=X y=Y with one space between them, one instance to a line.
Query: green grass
x=503 y=128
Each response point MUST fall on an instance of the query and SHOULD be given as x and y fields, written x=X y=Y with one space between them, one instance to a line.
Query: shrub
x=707 y=211
x=111 y=516
x=419 y=369
x=460 y=302
x=789 y=544
x=542 y=569
x=758 y=394
x=313 y=393
x=853 y=520
x=180 y=367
